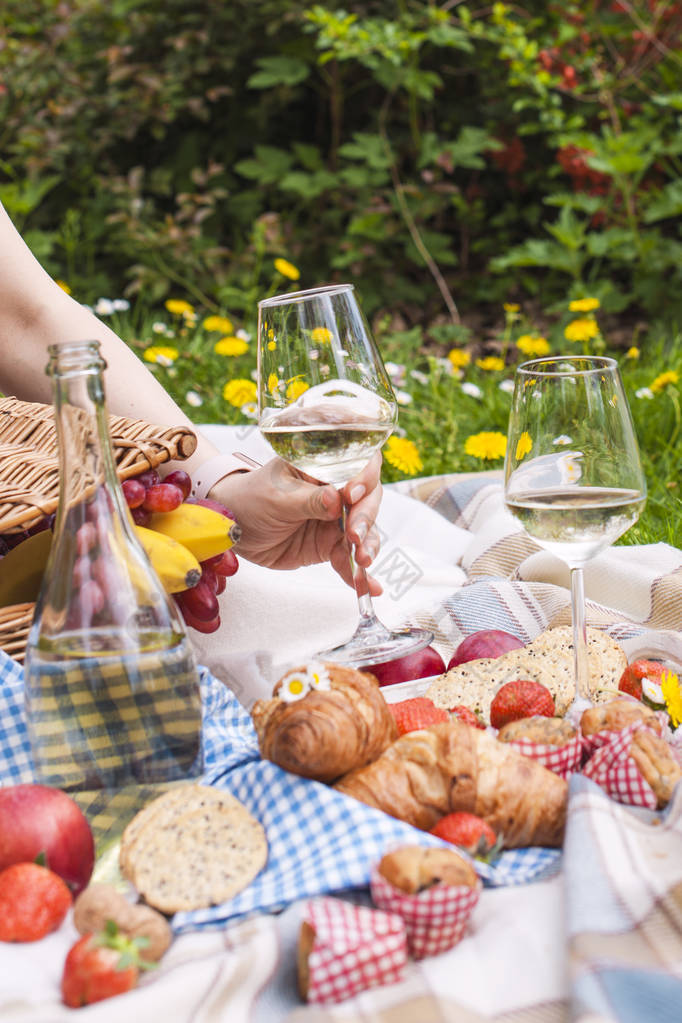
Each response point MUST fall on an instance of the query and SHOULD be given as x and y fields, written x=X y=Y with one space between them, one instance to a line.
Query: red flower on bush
x=573 y=161
x=512 y=157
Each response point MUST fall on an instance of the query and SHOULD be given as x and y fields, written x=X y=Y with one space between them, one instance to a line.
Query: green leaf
x=308 y=185
x=368 y=148
x=278 y=70
x=267 y=166
x=667 y=203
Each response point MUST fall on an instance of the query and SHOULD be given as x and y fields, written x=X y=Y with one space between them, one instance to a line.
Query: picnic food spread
x=466 y=782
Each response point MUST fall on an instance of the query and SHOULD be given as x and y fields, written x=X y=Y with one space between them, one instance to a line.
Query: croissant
x=329 y=731
x=427 y=774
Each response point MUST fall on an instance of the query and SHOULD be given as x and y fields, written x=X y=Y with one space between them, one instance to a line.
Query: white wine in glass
x=325 y=406
x=573 y=476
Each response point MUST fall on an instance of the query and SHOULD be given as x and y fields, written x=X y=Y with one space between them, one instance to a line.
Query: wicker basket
x=29 y=478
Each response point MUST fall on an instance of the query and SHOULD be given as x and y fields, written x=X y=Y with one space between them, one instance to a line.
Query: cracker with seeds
x=197 y=849
x=548 y=659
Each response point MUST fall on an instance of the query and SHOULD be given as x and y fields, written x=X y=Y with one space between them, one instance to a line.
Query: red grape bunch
x=148 y=493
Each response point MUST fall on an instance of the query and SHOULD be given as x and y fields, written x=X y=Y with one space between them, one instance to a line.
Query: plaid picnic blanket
x=623 y=872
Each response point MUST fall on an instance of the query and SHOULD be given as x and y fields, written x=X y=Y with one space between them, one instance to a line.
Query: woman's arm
x=35 y=312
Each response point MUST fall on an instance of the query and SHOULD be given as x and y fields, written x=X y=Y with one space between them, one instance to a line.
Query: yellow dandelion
x=530 y=345
x=295 y=389
x=491 y=363
x=160 y=354
x=632 y=353
x=523 y=445
x=582 y=329
x=273 y=383
x=486 y=445
x=221 y=324
x=64 y=286
x=239 y=392
x=230 y=346
x=459 y=358
x=321 y=335
x=179 y=307
x=272 y=345
x=584 y=305
x=511 y=307
x=672 y=694
x=287 y=269
x=403 y=454
x=671 y=376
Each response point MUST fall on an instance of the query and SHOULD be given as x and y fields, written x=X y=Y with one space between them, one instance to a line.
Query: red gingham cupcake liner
x=563 y=760
x=614 y=770
x=355 y=948
x=435 y=919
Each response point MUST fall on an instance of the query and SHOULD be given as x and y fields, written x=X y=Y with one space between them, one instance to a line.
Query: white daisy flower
x=243 y=334
x=473 y=390
x=403 y=398
x=104 y=307
x=121 y=305
x=421 y=378
x=644 y=392
x=652 y=691
x=506 y=385
x=562 y=440
x=163 y=360
x=194 y=399
x=319 y=677
x=158 y=327
x=250 y=410
x=294 y=686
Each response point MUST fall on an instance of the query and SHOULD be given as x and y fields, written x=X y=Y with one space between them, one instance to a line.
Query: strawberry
x=33 y=902
x=415 y=713
x=100 y=966
x=520 y=699
x=631 y=679
x=466 y=715
x=467 y=831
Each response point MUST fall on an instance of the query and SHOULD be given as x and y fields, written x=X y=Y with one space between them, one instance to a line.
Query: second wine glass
x=573 y=476
x=325 y=406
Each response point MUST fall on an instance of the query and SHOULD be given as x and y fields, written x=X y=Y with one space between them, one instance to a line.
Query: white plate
x=405 y=690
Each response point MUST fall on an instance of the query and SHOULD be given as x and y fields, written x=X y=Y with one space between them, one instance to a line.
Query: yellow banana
x=201 y=530
x=175 y=565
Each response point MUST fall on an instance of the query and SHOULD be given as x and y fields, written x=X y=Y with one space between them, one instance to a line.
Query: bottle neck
x=86 y=456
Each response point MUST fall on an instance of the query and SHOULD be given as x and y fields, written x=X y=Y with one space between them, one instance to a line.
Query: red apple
x=37 y=819
x=486 y=643
x=419 y=665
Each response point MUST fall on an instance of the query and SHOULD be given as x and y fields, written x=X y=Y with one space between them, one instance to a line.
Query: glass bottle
x=112 y=689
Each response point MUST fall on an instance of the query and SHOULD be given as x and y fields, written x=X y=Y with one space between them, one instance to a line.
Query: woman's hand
x=288 y=519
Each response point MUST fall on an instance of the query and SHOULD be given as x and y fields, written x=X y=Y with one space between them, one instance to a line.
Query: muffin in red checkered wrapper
x=600 y=723
x=636 y=766
x=433 y=890
x=553 y=741
x=344 y=949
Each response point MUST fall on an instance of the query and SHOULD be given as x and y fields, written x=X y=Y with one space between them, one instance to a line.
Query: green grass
x=441 y=415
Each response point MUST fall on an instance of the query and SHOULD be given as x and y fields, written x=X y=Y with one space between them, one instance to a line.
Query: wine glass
x=572 y=474
x=325 y=406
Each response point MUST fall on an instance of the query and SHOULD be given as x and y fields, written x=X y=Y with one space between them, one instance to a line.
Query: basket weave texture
x=29 y=466
x=29 y=478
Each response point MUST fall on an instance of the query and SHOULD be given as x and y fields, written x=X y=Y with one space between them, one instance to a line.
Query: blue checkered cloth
x=319 y=840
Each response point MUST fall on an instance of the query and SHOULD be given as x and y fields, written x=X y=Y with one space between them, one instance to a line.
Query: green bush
x=444 y=158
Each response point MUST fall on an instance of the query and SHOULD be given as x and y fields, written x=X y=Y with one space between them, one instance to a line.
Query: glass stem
x=582 y=669
x=368 y=617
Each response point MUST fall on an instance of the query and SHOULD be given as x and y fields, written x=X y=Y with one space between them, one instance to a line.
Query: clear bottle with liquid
x=112 y=689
